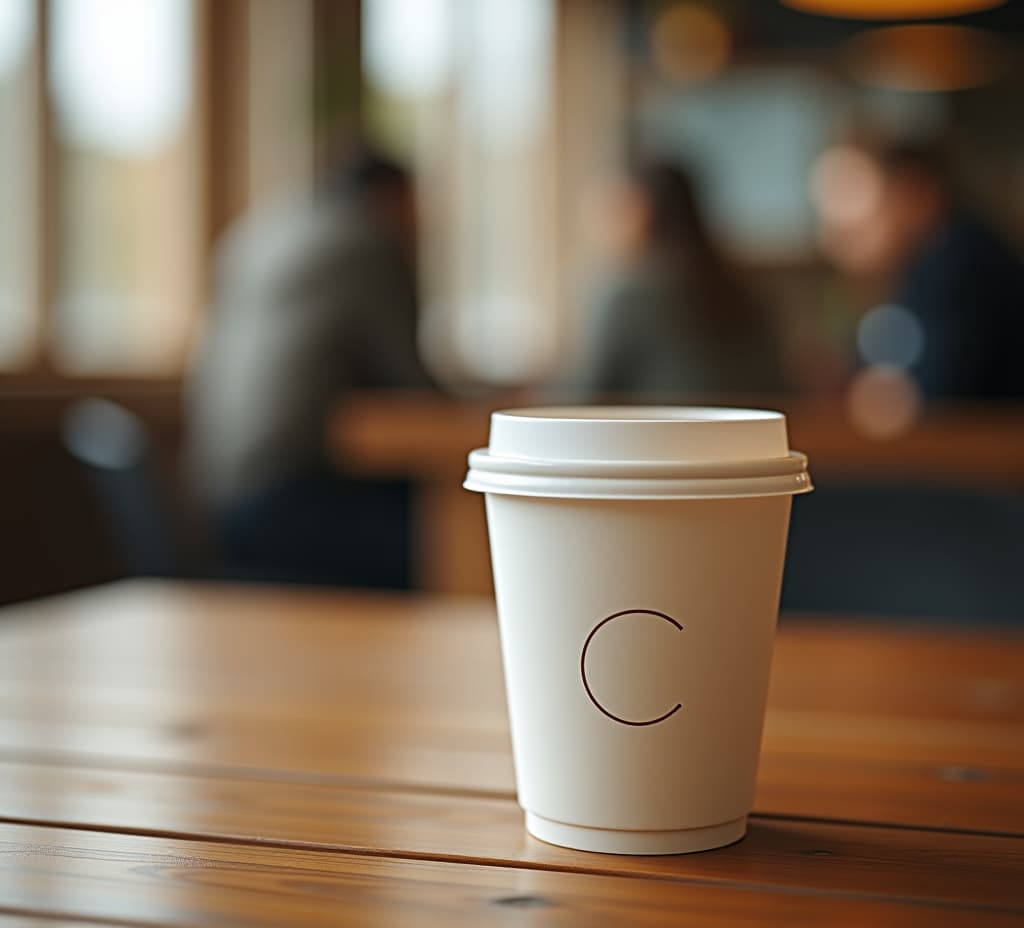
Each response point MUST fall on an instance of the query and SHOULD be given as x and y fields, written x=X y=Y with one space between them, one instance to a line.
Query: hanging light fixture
x=891 y=9
x=925 y=57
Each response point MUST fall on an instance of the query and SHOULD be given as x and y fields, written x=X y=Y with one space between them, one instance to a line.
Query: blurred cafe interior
x=266 y=266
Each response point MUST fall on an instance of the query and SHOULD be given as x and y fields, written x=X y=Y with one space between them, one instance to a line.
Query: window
x=510 y=113
x=474 y=82
x=99 y=163
x=17 y=232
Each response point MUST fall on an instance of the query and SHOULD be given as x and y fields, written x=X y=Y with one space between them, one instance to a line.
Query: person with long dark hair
x=674 y=320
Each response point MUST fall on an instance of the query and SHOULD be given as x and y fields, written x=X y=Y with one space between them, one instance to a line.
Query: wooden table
x=426 y=440
x=192 y=755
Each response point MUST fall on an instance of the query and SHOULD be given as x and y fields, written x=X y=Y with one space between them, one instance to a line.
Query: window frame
x=38 y=371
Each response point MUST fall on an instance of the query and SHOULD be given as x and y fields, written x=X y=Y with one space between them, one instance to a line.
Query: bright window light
x=119 y=72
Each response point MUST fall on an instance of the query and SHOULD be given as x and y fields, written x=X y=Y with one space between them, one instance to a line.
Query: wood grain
x=864 y=723
x=143 y=880
x=312 y=648
x=953 y=796
x=893 y=863
x=195 y=755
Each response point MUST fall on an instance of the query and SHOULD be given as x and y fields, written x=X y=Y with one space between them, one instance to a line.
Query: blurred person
x=314 y=296
x=673 y=319
x=951 y=312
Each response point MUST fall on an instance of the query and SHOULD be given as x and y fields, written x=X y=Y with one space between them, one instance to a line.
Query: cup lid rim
x=483 y=460
x=622 y=414
x=509 y=476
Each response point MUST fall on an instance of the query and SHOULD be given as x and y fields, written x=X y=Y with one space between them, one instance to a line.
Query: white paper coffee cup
x=637 y=555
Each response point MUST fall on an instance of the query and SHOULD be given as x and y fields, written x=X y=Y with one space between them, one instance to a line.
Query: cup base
x=615 y=841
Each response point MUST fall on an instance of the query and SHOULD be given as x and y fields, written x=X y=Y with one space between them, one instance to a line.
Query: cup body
x=637 y=560
x=637 y=639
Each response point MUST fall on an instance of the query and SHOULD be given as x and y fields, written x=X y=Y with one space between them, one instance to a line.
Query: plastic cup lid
x=638 y=452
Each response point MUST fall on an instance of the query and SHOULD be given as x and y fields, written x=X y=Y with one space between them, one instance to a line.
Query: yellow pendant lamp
x=891 y=9
x=926 y=57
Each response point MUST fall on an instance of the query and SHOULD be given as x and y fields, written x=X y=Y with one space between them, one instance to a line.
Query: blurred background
x=266 y=265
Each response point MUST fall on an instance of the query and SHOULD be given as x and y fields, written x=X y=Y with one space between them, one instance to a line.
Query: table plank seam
x=895 y=826
x=85 y=761
x=512 y=864
x=262 y=774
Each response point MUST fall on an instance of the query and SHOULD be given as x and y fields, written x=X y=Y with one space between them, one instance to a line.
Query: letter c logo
x=583 y=666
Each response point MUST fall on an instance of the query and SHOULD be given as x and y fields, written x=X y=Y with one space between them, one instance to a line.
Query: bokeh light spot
x=890 y=334
x=845 y=185
x=883 y=402
x=691 y=43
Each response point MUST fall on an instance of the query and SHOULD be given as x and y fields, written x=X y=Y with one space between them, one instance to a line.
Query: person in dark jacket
x=952 y=313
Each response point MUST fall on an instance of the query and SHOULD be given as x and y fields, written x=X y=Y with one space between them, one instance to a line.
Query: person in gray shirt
x=314 y=296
